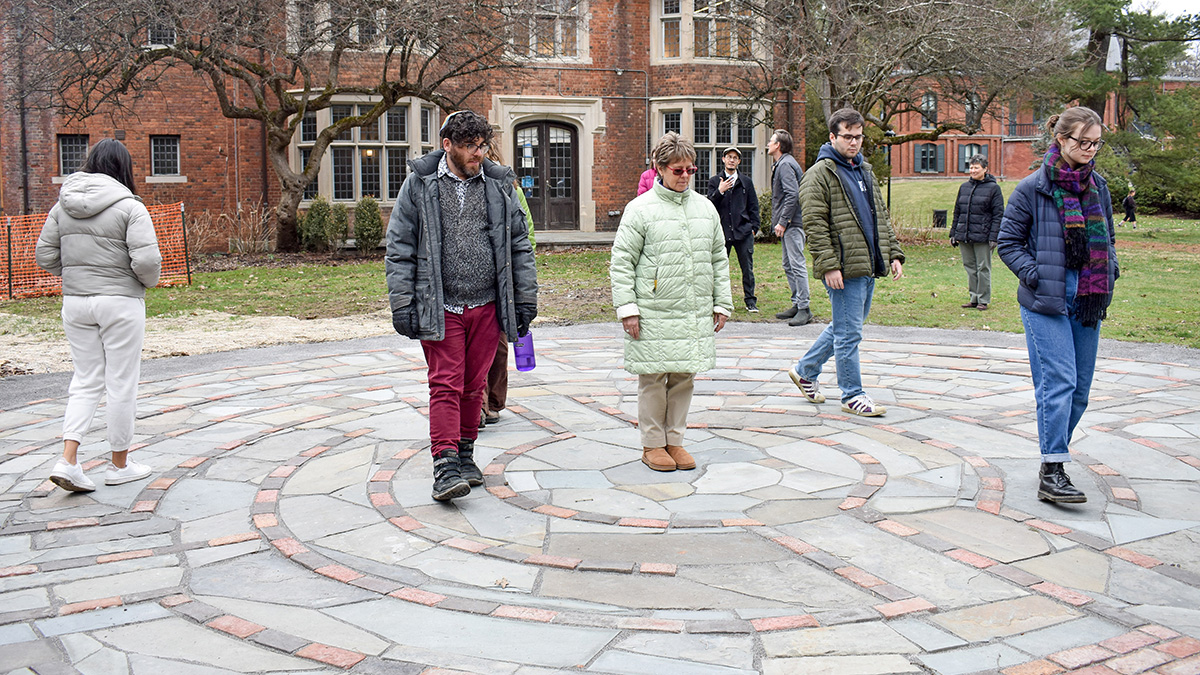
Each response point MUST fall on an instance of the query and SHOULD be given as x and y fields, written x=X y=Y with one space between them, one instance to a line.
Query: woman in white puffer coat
x=100 y=240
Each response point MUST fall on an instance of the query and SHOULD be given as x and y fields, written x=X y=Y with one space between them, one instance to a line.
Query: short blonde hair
x=671 y=148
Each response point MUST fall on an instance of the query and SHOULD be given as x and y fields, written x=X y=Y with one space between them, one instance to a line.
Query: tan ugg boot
x=657 y=459
x=683 y=460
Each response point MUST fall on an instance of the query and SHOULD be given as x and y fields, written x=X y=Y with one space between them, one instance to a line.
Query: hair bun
x=1052 y=122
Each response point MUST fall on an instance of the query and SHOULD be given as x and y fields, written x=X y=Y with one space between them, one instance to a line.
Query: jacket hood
x=987 y=178
x=84 y=195
x=428 y=164
x=828 y=151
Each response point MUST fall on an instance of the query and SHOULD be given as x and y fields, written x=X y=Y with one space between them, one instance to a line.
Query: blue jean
x=850 y=307
x=1062 y=358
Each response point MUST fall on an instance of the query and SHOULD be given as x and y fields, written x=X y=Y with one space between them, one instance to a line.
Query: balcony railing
x=1022 y=129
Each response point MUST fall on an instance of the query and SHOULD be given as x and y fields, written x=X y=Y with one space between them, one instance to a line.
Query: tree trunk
x=287 y=219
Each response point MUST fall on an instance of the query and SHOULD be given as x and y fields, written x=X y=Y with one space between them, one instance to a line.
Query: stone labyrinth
x=289 y=527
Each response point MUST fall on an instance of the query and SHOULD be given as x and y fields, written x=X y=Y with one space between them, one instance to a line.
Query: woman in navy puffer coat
x=1057 y=237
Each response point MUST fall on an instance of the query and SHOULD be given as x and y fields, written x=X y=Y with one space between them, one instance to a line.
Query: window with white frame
x=929 y=112
x=164 y=156
x=703 y=29
x=673 y=121
x=549 y=30
x=968 y=150
x=721 y=29
x=161 y=33
x=72 y=150
x=715 y=130
x=369 y=160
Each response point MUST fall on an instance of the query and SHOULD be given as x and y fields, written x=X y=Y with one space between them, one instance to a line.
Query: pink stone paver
x=1039 y=667
x=502 y=492
x=795 y=545
x=289 y=547
x=17 y=570
x=1185 y=667
x=664 y=569
x=851 y=503
x=1065 y=594
x=174 y=600
x=233 y=539
x=1048 y=527
x=161 y=484
x=127 y=555
x=976 y=461
x=1103 y=470
x=1181 y=648
x=864 y=458
x=860 y=577
x=1133 y=557
x=383 y=476
x=72 y=522
x=526 y=613
x=406 y=523
x=231 y=445
x=493 y=470
x=823 y=441
x=334 y=656
x=466 y=544
x=973 y=559
x=418 y=596
x=407 y=453
x=771 y=623
x=644 y=623
x=1160 y=632
x=314 y=451
x=1123 y=644
x=989 y=505
x=1137 y=662
x=145 y=506
x=382 y=499
x=343 y=574
x=875 y=479
x=897 y=528
x=1095 y=670
x=265 y=520
x=892 y=610
x=1081 y=656
x=192 y=463
x=266 y=496
x=741 y=522
x=553 y=561
x=642 y=522
x=992 y=483
x=359 y=432
x=89 y=605
x=1124 y=493
x=235 y=626
x=556 y=511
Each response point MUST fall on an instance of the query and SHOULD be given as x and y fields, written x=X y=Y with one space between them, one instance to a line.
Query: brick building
x=606 y=79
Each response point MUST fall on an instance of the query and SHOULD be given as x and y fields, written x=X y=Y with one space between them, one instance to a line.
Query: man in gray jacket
x=460 y=270
x=785 y=217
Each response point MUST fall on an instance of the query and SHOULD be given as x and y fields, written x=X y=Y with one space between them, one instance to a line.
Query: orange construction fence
x=20 y=277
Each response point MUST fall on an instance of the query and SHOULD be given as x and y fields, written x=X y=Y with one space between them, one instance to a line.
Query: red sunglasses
x=679 y=172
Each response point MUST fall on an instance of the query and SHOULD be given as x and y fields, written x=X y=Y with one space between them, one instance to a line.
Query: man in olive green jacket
x=851 y=242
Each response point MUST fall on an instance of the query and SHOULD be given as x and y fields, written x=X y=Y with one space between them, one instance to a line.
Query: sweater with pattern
x=468 y=264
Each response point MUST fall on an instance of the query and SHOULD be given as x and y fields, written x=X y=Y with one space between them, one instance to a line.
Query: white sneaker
x=70 y=477
x=132 y=471
x=863 y=405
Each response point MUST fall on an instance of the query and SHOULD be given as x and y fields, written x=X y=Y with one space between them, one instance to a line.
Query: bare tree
x=879 y=56
x=276 y=60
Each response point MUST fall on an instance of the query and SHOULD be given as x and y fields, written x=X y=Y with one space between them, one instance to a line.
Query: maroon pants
x=497 y=379
x=458 y=367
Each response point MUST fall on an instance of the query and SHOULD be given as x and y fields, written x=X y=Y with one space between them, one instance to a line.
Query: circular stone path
x=289 y=527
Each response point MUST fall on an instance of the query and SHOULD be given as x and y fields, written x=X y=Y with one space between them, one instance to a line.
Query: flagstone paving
x=288 y=527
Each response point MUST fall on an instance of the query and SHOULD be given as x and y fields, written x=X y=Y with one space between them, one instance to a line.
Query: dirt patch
x=38 y=345
x=235 y=261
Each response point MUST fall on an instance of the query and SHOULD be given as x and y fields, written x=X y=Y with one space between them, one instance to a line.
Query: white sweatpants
x=105 y=333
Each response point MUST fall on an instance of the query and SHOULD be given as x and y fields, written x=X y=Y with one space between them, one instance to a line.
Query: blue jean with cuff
x=1062 y=358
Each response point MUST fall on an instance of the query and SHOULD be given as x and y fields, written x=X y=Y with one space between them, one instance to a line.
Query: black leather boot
x=1056 y=486
x=466 y=463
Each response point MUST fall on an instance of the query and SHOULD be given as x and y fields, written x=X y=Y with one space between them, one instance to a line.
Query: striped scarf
x=1086 y=232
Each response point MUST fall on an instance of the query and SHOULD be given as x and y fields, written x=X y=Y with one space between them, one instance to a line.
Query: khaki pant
x=663 y=400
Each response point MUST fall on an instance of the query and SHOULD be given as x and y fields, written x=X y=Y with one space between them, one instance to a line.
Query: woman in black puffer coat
x=977 y=214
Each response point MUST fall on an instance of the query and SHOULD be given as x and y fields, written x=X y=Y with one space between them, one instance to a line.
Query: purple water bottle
x=523 y=353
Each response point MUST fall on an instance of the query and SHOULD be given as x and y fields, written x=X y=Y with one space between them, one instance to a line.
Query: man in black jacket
x=733 y=194
x=977 y=214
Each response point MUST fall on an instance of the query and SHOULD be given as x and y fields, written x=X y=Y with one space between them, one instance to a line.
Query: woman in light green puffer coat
x=670 y=284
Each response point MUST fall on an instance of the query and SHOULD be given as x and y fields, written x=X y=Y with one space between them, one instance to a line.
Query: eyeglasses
x=679 y=172
x=482 y=148
x=1086 y=145
x=851 y=138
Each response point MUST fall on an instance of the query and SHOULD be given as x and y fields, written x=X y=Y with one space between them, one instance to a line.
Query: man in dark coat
x=977 y=214
x=732 y=192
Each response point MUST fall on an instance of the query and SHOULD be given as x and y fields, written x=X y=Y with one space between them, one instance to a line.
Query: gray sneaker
x=70 y=477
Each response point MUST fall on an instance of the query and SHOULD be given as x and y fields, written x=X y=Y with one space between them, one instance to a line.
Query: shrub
x=766 y=233
x=368 y=225
x=339 y=226
x=314 y=225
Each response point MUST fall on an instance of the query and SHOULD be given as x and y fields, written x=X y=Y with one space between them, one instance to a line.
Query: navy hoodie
x=857 y=189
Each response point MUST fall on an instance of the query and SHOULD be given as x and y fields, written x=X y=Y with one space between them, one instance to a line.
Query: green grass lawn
x=1160 y=263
